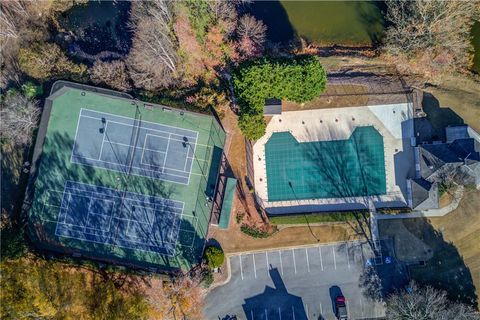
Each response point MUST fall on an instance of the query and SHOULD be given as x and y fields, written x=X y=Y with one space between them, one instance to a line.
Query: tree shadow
x=432 y=127
x=273 y=300
x=44 y=203
x=445 y=269
x=273 y=14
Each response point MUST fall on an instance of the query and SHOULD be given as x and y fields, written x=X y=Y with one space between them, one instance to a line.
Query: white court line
x=321 y=260
x=281 y=263
x=103 y=140
x=346 y=251
x=361 y=305
x=241 y=268
x=294 y=264
x=254 y=267
x=82 y=193
x=308 y=263
x=334 y=260
x=149 y=129
x=165 y=159
x=135 y=174
x=115 y=115
x=76 y=132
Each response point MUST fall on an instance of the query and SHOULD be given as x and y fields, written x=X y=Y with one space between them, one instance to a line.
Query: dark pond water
x=99 y=26
x=350 y=23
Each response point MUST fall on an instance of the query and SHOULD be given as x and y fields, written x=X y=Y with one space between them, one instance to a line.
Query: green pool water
x=325 y=169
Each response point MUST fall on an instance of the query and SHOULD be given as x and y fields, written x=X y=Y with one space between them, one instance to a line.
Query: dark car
x=341 y=308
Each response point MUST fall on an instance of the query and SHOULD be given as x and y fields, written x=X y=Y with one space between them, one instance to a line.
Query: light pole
x=304 y=215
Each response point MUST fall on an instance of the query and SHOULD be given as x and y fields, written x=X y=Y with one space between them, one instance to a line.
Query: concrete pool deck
x=394 y=122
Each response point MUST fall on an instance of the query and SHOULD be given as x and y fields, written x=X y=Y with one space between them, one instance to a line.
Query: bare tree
x=113 y=74
x=19 y=117
x=153 y=58
x=426 y=303
x=251 y=28
x=439 y=29
x=371 y=284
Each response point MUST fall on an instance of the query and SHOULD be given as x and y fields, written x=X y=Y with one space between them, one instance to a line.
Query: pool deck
x=394 y=122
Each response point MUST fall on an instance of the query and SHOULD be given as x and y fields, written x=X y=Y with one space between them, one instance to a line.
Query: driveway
x=296 y=283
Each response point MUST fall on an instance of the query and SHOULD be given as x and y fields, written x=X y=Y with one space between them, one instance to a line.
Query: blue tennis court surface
x=125 y=219
x=134 y=146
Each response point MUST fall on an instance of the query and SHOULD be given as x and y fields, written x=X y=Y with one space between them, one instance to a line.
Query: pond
x=349 y=23
x=99 y=26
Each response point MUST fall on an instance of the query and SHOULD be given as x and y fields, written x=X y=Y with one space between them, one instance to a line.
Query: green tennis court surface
x=325 y=169
x=124 y=181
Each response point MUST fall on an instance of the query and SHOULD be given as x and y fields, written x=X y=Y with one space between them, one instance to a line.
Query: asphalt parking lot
x=296 y=283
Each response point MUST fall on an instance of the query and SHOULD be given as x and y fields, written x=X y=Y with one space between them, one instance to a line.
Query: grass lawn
x=313 y=218
x=448 y=244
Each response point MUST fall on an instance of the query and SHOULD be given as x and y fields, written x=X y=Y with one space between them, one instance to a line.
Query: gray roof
x=272 y=107
x=456 y=132
x=435 y=156
x=424 y=194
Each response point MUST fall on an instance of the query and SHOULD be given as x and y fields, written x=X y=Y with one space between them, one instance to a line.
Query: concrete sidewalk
x=427 y=213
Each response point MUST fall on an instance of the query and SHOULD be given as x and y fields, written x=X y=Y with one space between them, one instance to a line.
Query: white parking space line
x=361 y=305
x=348 y=258
x=321 y=259
x=293 y=312
x=334 y=259
x=251 y=313
x=308 y=263
x=281 y=263
x=321 y=309
x=279 y=314
x=266 y=315
x=241 y=268
x=268 y=265
x=294 y=263
x=306 y=309
x=254 y=267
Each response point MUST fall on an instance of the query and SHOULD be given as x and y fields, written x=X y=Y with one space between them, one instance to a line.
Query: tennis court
x=325 y=169
x=122 y=180
x=134 y=145
x=127 y=219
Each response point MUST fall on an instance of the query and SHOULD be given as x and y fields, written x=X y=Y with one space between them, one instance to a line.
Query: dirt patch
x=233 y=240
x=462 y=95
x=446 y=199
x=336 y=96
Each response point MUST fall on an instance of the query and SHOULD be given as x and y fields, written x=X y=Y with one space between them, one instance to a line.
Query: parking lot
x=296 y=283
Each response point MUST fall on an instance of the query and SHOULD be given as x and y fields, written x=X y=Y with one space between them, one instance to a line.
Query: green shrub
x=30 y=90
x=299 y=79
x=239 y=217
x=255 y=232
x=313 y=218
x=44 y=61
x=214 y=257
x=207 y=278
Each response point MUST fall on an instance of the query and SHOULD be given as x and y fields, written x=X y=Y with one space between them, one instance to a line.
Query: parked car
x=341 y=308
